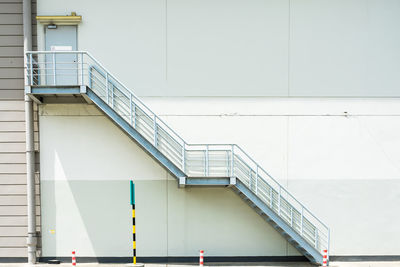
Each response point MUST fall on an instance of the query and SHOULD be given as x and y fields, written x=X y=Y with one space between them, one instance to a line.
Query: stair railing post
x=206 y=163
x=279 y=201
x=81 y=54
x=31 y=69
x=271 y=198
x=54 y=69
x=112 y=95
x=291 y=216
x=301 y=220
x=90 y=76
x=316 y=238
x=257 y=180
x=107 y=93
x=155 y=129
x=328 y=246
x=183 y=158
x=130 y=109
x=134 y=115
x=232 y=160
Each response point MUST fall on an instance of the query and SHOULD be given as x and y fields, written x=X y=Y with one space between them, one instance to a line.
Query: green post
x=132 y=193
x=133 y=221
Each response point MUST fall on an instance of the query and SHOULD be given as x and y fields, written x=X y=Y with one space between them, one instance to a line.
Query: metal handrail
x=190 y=158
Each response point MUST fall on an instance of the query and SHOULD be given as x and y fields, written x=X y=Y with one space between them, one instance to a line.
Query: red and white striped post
x=201 y=258
x=325 y=258
x=73 y=258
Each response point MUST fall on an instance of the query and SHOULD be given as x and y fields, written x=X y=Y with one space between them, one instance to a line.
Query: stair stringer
x=287 y=232
x=135 y=135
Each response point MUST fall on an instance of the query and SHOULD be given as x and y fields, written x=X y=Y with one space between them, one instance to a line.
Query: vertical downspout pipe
x=30 y=146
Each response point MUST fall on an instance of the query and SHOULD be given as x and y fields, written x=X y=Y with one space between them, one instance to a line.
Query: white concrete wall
x=346 y=169
x=241 y=47
x=87 y=165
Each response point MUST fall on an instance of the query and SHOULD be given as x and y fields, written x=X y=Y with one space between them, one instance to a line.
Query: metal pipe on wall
x=30 y=146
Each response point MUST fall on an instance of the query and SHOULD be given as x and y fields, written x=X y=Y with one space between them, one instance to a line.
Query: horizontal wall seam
x=8 y=236
x=16 y=206
x=12 y=226
x=12 y=247
x=15 y=216
x=262 y=115
x=9 y=195
x=21 y=131
x=22 y=173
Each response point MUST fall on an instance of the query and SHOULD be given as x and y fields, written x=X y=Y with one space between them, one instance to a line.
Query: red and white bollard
x=73 y=258
x=325 y=258
x=201 y=258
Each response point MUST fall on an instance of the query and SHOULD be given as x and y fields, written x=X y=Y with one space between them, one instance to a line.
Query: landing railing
x=72 y=68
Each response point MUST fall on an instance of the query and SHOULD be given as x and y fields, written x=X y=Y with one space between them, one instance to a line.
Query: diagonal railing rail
x=79 y=68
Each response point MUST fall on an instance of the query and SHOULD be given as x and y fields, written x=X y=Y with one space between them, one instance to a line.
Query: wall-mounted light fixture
x=72 y=19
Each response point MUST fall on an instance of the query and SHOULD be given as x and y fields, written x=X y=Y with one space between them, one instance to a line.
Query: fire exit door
x=62 y=67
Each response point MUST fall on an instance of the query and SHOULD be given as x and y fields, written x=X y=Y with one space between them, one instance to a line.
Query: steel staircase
x=76 y=73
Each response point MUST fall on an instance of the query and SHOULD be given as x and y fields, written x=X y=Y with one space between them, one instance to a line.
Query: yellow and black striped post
x=133 y=221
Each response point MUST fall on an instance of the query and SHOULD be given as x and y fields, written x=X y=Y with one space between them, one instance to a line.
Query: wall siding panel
x=13 y=209
x=11 y=94
x=12 y=115
x=11 y=51
x=12 y=83
x=12 y=158
x=13 y=231
x=18 y=200
x=11 y=8
x=11 y=62
x=14 y=178
x=11 y=30
x=8 y=19
x=11 y=73
x=13 y=252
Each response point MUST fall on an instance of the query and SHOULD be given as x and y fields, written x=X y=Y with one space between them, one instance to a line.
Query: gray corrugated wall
x=13 y=209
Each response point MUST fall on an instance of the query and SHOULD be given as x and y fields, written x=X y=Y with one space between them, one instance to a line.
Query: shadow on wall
x=94 y=218
x=105 y=214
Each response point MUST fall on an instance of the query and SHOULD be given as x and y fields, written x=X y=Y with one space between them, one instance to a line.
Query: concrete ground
x=271 y=264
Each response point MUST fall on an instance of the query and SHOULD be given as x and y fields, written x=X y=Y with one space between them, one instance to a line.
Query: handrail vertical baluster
x=232 y=160
x=31 y=68
x=112 y=95
x=291 y=216
x=134 y=115
x=271 y=198
x=90 y=77
x=206 y=169
x=54 y=69
x=155 y=129
x=183 y=158
x=301 y=220
x=279 y=201
x=81 y=54
x=328 y=245
x=256 y=179
x=107 y=93
x=130 y=110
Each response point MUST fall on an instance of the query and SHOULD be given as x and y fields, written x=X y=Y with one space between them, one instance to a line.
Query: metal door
x=61 y=69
